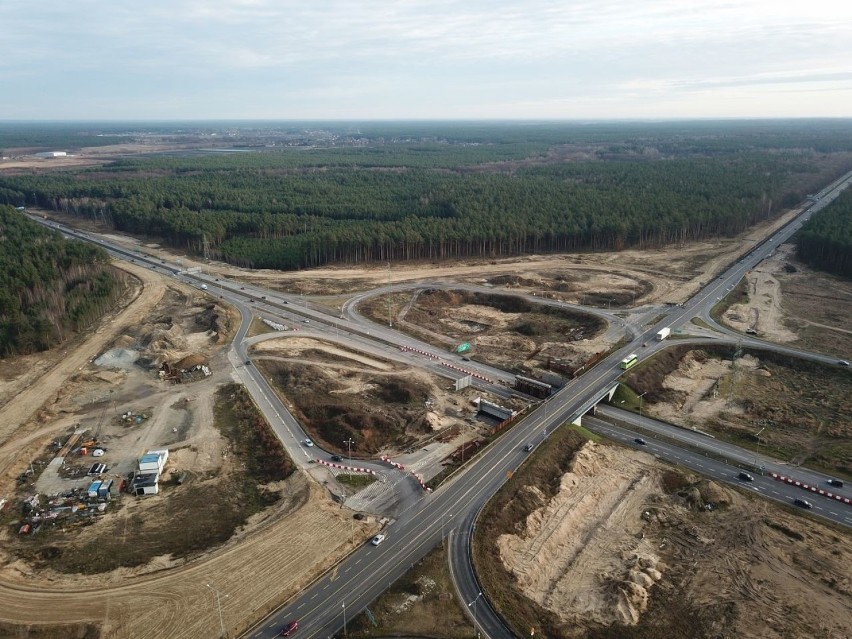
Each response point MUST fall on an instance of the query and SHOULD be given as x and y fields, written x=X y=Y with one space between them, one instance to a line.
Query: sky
x=424 y=59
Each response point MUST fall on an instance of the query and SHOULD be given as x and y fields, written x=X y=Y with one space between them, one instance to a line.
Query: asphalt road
x=365 y=574
x=714 y=468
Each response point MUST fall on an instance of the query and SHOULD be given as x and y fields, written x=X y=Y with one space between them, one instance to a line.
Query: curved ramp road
x=423 y=519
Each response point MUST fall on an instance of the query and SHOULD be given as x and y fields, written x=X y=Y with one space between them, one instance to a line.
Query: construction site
x=125 y=566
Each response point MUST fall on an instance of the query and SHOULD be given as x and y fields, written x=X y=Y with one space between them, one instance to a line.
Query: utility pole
x=473 y=603
x=217 y=595
x=349 y=442
x=390 y=321
x=345 y=634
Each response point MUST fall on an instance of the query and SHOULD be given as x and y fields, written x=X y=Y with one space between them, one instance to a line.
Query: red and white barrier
x=388 y=460
x=351 y=469
x=422 y=483
x=467 y=372
x=419 y=479
x=419 y=351
x=813 y=489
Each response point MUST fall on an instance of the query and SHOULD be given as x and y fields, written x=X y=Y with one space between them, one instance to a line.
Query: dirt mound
x=580 y=555
x=191 y=361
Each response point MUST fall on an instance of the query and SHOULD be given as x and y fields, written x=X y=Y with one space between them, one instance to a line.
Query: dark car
x=528 y=448
x=835 y=482
x=640 y=441
x=248 y=362
x=745 y=477
x=803 y=503
x=290 y=628
x=336 y=458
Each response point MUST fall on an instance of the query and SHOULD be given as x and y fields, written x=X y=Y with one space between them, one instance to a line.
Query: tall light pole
x=473 y=603
x=349 y=442
x=640 y=407
x=217 y=594
x=344 y=620
x=757 y=454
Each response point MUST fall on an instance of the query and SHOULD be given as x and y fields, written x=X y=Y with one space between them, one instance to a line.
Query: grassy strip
x=420 y=604
x=355 y=481
x=506 y=510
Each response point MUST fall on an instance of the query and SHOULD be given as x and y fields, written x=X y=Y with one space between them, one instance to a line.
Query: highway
x=724 y=462
x=449 y=513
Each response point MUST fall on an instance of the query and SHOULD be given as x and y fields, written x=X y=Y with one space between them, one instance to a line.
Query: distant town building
x=52 y=154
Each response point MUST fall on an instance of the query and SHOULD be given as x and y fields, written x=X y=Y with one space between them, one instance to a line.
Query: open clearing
x=49 y=394
x=383 y=406
x=621 y=546
x=801 y=409
x=790 y=303
x=502 y=330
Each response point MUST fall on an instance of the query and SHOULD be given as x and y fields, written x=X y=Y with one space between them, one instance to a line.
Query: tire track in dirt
x=257 y=574
x=20 y=409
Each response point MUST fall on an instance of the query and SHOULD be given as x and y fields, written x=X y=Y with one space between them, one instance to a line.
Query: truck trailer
x=663 y=333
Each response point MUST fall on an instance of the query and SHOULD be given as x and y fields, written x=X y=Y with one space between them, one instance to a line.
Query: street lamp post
x=473 y=603
x=217 y=594
x=757 y=454
x=640 y=407
x=344 y=620
x=349 y=442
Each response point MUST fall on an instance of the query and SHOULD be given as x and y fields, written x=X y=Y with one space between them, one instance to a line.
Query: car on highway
x=528 y=448
x=640 y=441
x=803 y=503
x=378 y=539
x=835 y=482
x=843 y=362
x=289 y=629
x=308 y=442
x=745 y=477
x=306 y=321
x=248 y=362
x=336 y=458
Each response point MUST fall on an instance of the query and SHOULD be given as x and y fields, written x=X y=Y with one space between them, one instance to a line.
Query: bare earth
x=611 y=540
x=270 y=560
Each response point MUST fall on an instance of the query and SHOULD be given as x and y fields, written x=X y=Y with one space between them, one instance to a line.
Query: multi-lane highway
x=423 y=519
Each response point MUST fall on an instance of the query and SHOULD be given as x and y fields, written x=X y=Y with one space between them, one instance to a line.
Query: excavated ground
x=626 y=548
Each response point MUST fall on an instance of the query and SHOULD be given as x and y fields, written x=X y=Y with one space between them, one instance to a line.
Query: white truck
x=204 y=287
x=663 y=333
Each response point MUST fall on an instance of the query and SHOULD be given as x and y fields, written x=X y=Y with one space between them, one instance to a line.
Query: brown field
x=46 y=396
x=801 y=408
x=619 y=545
x=504 y=330
x=385 y=407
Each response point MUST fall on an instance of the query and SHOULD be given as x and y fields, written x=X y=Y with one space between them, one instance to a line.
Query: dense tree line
x=49 y=286
x=426 y=192
x=825 y=240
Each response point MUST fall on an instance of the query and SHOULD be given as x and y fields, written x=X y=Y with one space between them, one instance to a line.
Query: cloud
x=557 y=52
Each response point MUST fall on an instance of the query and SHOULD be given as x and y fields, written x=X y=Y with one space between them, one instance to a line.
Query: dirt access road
x=262 y=566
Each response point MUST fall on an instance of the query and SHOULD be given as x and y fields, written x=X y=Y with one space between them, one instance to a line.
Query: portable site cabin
x=153 y=461
x=104 y=489
x=146 y=484
x=92 y=491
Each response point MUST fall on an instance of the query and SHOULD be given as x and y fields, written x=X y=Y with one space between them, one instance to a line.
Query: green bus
x=629 y=361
